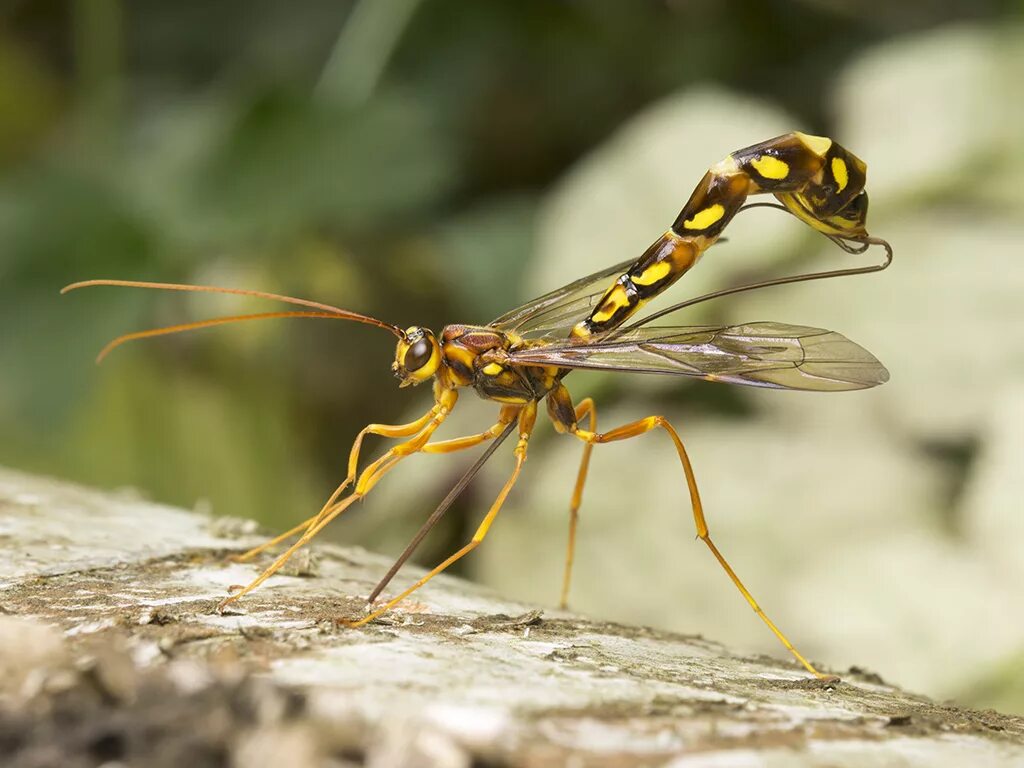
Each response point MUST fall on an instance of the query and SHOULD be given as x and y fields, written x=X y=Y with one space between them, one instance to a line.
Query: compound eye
x=419 y=354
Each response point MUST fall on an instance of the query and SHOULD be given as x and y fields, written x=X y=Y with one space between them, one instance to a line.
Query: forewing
x=764 y=354
x=555 y=313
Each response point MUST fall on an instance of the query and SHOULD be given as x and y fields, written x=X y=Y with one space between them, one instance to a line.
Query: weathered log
x=111 y=652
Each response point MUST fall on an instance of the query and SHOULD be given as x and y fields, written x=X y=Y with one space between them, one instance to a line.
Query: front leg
x=446 y=399
x=383 y=430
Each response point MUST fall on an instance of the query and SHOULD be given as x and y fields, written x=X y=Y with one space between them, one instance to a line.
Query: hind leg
x=560 y=408
x=586 y=407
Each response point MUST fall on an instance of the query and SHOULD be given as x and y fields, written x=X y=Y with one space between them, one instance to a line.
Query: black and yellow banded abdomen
x=817 y=180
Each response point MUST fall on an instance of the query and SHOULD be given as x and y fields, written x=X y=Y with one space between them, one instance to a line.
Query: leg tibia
x=527 y=416
x=369 y=477
x=642 y=426
x=585 y=408
x=386 y=430
x=507 y=416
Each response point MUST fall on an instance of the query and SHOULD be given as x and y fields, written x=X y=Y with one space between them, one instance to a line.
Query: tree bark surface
x=111 y=652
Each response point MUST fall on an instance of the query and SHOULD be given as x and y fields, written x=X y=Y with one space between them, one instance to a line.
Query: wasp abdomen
x=664 y=262
x=816 y=179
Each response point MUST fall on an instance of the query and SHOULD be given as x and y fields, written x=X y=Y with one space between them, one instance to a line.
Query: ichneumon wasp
x=524 y=356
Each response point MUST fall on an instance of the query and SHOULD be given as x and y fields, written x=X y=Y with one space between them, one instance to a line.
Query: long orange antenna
x=168 y=330
x=326 y=308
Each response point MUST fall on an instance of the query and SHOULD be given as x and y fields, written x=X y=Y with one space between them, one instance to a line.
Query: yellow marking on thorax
x=613 y=302
x=819 y=145
x=771 y=167
x=707 y=217
x=460 y=354
x=492 y=369
x=840 y=172
x=653 y=274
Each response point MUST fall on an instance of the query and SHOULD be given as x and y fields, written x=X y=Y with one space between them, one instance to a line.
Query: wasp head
x=417 y=356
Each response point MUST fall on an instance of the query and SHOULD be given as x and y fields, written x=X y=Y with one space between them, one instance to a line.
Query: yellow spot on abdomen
x=653 y=274
x=840 y=172
x=831 y=225
x=707 y=217
x=817 y=144
x=839 y=223
x=612 y=303
x=771 y=167
x=492 y=369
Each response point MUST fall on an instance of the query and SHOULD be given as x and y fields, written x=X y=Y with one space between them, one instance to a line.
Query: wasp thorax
x=417 y=356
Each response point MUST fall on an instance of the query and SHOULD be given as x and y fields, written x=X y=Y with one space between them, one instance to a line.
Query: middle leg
x=496 y=432
x=383 y=430
x=374 y=473
x=507 y=415
x=527 y=418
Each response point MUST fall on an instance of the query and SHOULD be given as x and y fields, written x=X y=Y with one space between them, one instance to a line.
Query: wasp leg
x=507 y=416
x=383 y=430
x=499 y=430
x=303 y=526
x=367 y=480
x=386 y=430
x=527 y=417
x=562 y=414
x=439 y=511
x=651 y=422
x=250 y=554
x=585 y=407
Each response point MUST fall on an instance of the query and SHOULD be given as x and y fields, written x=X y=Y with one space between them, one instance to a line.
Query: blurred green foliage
x=392 y=158
x=222 y=143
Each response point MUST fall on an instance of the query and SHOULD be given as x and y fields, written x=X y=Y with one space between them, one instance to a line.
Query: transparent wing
x=555 y=313
x=757 y=354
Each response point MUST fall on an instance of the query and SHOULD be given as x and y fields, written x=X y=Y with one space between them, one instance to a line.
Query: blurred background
x=431 y=161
